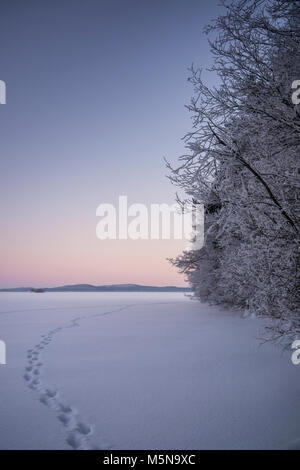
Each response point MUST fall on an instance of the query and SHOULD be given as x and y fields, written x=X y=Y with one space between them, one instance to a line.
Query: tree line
x=242 y=163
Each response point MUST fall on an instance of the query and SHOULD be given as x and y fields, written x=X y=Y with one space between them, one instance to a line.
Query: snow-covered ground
x=140 y=371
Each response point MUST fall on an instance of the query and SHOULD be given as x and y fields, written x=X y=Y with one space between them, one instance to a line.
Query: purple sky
x=95 y=99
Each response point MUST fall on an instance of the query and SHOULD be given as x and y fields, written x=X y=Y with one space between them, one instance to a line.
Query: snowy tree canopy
x=243 y=164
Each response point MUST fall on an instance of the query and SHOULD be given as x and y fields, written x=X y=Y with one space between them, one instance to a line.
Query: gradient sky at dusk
x=95 y=99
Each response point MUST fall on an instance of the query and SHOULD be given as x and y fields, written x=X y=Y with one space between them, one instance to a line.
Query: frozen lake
x=140 y=371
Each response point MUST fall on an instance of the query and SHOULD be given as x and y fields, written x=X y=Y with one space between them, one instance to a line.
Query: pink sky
x=96 y=95
x=51 y=262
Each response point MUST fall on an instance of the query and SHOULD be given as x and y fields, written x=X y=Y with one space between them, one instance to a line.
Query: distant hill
x=108 y=288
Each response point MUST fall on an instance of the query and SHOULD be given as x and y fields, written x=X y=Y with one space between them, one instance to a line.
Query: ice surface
x=140 y=370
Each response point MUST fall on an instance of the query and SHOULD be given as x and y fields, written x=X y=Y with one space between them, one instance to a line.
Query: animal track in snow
x=79 y=433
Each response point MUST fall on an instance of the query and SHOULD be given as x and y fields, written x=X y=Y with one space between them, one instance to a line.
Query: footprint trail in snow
x=79 y=433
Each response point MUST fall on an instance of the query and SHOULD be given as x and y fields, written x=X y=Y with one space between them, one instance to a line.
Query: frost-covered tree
x=243 y=164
